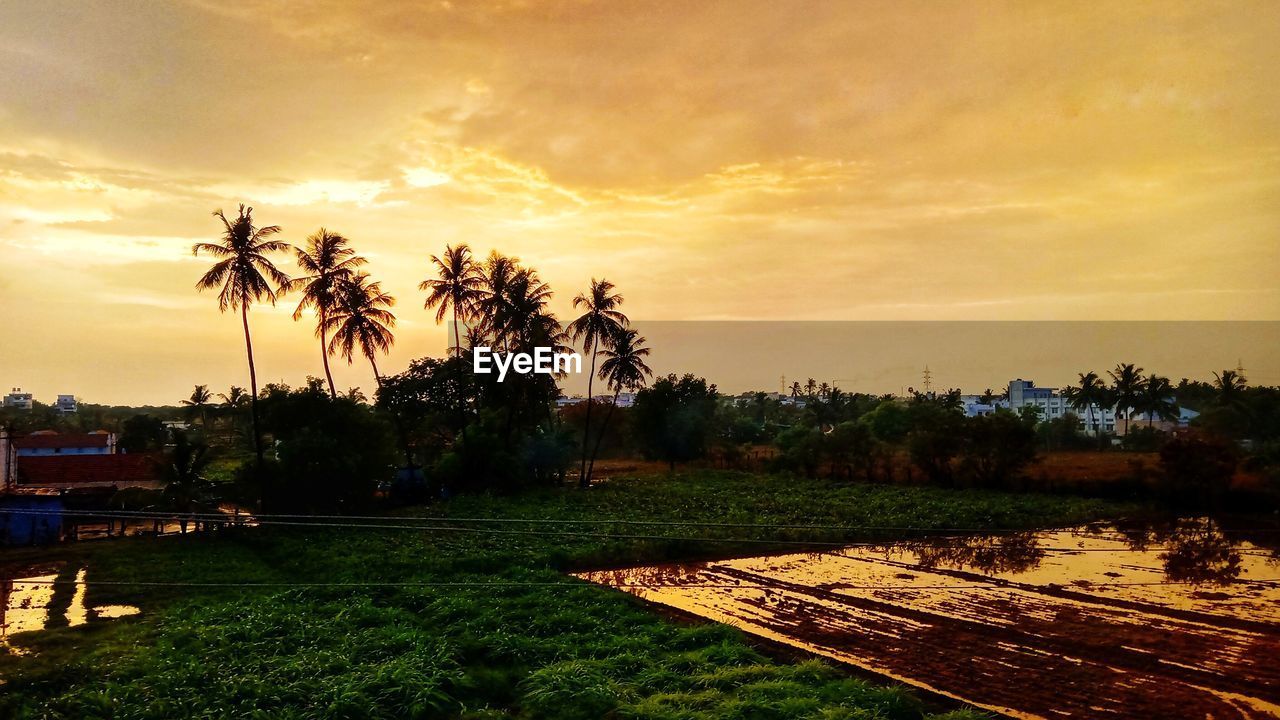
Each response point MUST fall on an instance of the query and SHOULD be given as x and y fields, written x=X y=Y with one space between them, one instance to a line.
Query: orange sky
x=716 y=160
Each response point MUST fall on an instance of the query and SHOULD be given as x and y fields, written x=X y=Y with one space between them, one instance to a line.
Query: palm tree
x=491 y=305
x=623 y=368
x=327 y=262
x=361 y=321
x=1091 y=392
x=186 y=490
x=1230 y=385
x=602 y=320
x=1126 y=385
x=198 y=403
x=811 y=388
x=246 y=275
x=795 y=390
x=1157 y=399
x=458 y=288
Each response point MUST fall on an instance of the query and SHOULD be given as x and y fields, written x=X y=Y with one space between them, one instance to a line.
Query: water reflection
x=1151 y=619
x=47 y=596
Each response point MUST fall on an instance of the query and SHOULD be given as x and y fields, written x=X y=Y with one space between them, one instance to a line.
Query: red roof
x=54 y=440
x=57 y=470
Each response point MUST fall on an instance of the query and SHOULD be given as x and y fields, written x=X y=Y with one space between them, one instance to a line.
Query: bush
x=1196 y=470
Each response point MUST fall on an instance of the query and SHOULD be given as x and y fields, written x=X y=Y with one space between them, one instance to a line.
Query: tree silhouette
x=601 y=320
x=360 y=321
x=246 y=275
x=457 y=289
x=1157 y=399
x=327 y=262
x=1230 y=386
x=1089 y=393
x=198 y=403
x=1126 y=385
x=623 y=369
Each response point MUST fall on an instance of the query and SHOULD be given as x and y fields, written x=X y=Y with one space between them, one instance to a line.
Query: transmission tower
x=928 y=380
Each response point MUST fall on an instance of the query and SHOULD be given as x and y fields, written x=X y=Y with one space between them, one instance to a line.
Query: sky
x=734 y=160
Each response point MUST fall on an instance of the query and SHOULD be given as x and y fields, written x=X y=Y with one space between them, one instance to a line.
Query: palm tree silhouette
x=458 y=288
x=601 y=320
x=624 y=369
x=198 y=403
x=246 y=275
x=497 y=275
x=1126 y=385
x=360 y=321
x=1230 y=385
x=1157 y=399
x=328 y=261
x=1089 y=393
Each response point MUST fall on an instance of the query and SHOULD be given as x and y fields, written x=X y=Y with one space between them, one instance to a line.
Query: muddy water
x=1148 y=622
x=45 y=597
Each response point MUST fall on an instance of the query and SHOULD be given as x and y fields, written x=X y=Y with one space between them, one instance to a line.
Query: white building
x=1052 y=405
x=66 y=404
x=18 y=399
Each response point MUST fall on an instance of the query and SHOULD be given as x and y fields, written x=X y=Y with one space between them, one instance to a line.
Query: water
x=30 y=602
x=1141 y=621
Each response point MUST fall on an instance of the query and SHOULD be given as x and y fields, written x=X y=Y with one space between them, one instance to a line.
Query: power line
x=617 y=536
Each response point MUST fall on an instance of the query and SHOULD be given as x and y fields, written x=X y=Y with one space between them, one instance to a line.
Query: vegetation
x=550 y=648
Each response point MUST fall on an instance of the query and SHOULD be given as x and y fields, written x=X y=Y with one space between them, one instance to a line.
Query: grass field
x=557 y=649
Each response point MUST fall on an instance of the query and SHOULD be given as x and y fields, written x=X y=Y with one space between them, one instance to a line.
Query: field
x=417 y=623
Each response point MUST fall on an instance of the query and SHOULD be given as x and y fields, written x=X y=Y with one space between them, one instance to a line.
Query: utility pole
x=928 y=380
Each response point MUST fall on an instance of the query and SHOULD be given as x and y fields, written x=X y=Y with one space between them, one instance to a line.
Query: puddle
x=1142 y=621
x=30 y=601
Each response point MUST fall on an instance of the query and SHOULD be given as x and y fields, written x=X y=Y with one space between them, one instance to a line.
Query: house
x=47 y=442
x=41 y=525
x=66 y=404
x=6 y=460
x=82 y=471
x=18 y=399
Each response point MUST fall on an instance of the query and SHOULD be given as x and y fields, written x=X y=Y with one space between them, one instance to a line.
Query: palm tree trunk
x=377 y=379
x=253 y=381
x=591 y=466
x=324 y=353
x=457 y=337
x=583 y=480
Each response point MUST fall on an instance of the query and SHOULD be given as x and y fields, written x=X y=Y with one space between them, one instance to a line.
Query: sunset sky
x=715 y=160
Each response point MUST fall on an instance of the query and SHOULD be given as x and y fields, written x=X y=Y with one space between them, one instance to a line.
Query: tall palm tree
x=360 y=321
x=1157 y=399
x=1126 y=386
x=327 y=262
x=1089 y=393
x=198 y=403
x=795 y=390
x=246 y=275
x=497 y=275
x=601 y=320
x=624 y=369
x=458 y=288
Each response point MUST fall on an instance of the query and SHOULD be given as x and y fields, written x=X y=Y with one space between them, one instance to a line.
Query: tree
x=142 y=433
x=1229 y=386
x=673 y=418
x=1197 y=470
x=328 y=262
x=623 y=369
x=246 y=275
x=996 y=447
x=1157 y=399
x=1091 y=392
x=198 y=403
x=601 y=320
x=186 y=490
x=360 y=321
x=457 y=289
x=1126 y=388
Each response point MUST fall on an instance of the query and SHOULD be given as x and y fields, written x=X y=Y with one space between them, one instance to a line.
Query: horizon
x=851 y=173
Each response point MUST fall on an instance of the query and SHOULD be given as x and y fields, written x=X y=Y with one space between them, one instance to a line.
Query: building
x=46 y=442
x=87 y=471
x=18 y=399
x=1052 y=405
x=978 y=405
x=6 y=461
x=66 y=404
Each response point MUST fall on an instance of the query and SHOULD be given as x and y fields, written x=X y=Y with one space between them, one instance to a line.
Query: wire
x=590 y=583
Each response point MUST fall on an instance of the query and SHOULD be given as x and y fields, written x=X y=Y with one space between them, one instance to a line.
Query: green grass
x=570 y=651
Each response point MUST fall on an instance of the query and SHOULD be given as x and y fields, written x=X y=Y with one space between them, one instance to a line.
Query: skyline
x=721 y=161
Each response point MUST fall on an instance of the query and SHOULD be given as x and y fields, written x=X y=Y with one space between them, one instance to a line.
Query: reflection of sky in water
x=975 y=617
x=31 y=603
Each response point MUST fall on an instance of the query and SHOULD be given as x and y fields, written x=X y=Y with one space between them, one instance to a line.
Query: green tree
x=198 y=403
x=246 y=275
x=673 y=418
x=327 y=263
x=601 y=320
x=1157 y=399
x=1089 y=393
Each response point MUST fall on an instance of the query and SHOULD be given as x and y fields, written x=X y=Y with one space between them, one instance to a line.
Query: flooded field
x=48 y=596
x=1139 y=622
